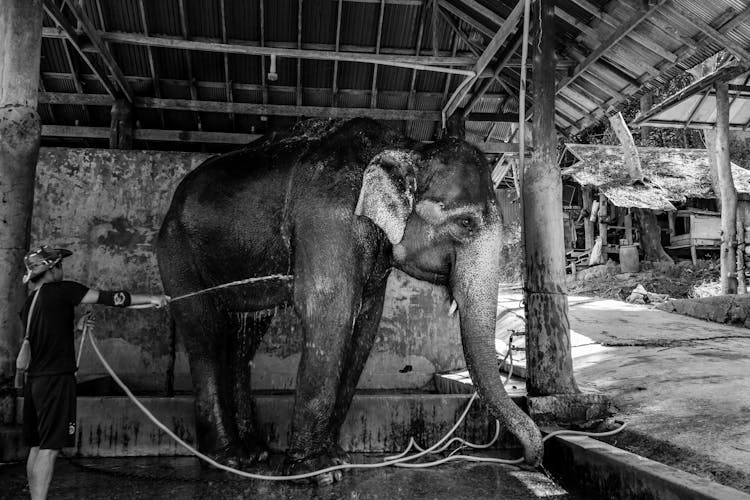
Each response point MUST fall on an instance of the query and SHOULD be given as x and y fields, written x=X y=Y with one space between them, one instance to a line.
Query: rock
x=624 y=276
x=640 y=295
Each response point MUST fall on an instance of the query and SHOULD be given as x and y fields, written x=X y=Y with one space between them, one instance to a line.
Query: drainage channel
x=599 y=470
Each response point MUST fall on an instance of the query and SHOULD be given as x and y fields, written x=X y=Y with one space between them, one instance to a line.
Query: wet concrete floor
x=184 y=478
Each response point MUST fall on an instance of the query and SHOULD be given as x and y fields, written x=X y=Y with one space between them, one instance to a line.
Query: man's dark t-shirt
x=52 y=331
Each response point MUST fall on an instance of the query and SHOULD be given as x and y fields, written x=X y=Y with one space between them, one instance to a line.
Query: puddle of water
x=184 y=478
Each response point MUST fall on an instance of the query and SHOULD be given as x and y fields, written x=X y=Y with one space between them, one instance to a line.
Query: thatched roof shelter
x=671 y=175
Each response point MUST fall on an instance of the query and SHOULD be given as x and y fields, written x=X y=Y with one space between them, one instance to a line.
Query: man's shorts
x=49 y=411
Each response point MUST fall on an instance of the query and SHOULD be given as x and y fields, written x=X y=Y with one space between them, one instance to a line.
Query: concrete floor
x=183 y=478
x=681 y=384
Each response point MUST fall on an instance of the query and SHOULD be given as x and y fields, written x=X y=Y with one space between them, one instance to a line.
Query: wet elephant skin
x=336 y=205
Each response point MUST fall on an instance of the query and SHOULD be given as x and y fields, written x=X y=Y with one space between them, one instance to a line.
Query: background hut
x=676 y=193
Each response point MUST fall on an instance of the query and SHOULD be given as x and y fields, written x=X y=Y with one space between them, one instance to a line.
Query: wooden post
x=728 y=192
x=588 y=225
x=548 y=351
x=121 y=126
x=603 y=226
x=672 y=216
x=741 y=278
x=629 y=227
x=20 y=135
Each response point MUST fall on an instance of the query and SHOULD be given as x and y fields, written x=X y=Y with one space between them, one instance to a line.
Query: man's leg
x=40 y=475
x=30 y=463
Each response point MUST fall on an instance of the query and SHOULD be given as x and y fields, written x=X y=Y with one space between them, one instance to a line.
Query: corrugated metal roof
x=648 y=57
x=695 y=105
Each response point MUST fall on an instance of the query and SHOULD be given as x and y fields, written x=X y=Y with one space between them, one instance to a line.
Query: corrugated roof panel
x=318 y=21
x=317 y=74
x=391 y=100
x=243 y=19
x=354 y=100
x=247 y=69
x=53 y=56
x=401 y=26
x=247 y=95
x=394 y=78
x=163 y=17
x=207 y=66
x=421 y=130
x=281 y=20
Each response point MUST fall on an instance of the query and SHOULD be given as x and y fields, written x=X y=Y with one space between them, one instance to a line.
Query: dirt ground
x=681 y=280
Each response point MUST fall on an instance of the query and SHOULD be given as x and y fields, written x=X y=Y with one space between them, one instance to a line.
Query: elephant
x=336 y=206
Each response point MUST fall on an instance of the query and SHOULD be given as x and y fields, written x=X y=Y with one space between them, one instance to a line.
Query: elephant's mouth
x=420 y=274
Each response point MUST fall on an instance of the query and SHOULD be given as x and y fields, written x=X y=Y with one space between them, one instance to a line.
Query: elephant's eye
x=467 y=222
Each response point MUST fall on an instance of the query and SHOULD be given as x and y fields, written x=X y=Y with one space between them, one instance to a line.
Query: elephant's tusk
x=452 y=310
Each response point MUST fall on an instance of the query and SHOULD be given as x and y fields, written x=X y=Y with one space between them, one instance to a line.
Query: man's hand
x=159 y=300
x=86 y=321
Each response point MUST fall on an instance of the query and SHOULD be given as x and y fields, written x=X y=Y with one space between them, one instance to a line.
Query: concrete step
x=377 y=422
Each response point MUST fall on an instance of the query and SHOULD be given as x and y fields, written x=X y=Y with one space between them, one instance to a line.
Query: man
x=49 y=409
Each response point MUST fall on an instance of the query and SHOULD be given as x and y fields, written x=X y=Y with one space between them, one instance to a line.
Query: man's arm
x=120 y=298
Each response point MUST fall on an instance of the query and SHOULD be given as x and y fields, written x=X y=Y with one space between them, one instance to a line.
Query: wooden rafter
x=69 y=33
x=625 y=28
x=258 y=109
x=513 y=47
x=378 y=38
x=74 y=74
x=465 y=39
x=463 y=16
x=421 y=19
x=255 y=87
x=262 y=21
x=93 y=35
x=435 y=9
x=227 y=78
x=335 y=82
x=315 y=46
x=189 y=60
x=299 y=47
x=686 y=16
x=151 y=61
x=449 y=78
x=507 y=28
x=427 y=63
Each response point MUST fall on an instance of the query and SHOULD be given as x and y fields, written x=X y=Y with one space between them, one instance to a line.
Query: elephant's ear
x=387 y=194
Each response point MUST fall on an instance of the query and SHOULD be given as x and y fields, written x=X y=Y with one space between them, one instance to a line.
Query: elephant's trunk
x=474 y=283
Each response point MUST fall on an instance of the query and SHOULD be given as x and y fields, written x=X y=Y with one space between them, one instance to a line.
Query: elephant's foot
x=297 y=464
x=238 y=458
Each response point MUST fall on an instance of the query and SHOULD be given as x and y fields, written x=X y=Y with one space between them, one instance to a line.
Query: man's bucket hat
x=41 y=259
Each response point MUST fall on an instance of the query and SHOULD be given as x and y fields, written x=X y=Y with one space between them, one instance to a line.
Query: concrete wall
x=107 y=205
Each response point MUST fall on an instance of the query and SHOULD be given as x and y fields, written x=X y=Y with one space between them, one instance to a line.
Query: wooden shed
x=677 y=188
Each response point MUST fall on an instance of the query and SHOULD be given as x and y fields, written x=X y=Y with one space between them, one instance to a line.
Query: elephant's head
x=438 y=209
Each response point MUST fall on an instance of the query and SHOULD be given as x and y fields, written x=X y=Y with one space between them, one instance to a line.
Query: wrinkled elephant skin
x=336 y=206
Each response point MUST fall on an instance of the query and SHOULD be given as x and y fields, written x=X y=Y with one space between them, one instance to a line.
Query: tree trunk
x=550 y=366
x=728 y=193
x=651 y=237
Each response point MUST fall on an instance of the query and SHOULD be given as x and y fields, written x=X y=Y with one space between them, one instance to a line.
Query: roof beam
x=497 y=41
x=151 y=134
x=374 y=91
x=736 y=49
x=625 y=28
x=335 y=82
x=90 y=31
x=70 y=34
x=189 y=61
x=463 y=16
x=257 y=109
x=227 y=79
x=410 y=100
x=299 y=47
x=151 y=62
x=515 y=44
x=427 y=63
x=255 y=87
x=68 y=131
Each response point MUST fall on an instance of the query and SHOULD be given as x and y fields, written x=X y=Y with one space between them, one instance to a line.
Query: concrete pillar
x=20 y=135
x=548 y=351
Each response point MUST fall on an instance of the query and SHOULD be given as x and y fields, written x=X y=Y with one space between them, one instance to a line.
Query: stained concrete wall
x=107 y=205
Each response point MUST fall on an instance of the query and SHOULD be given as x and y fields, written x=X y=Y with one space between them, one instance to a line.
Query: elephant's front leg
x=327 y=297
